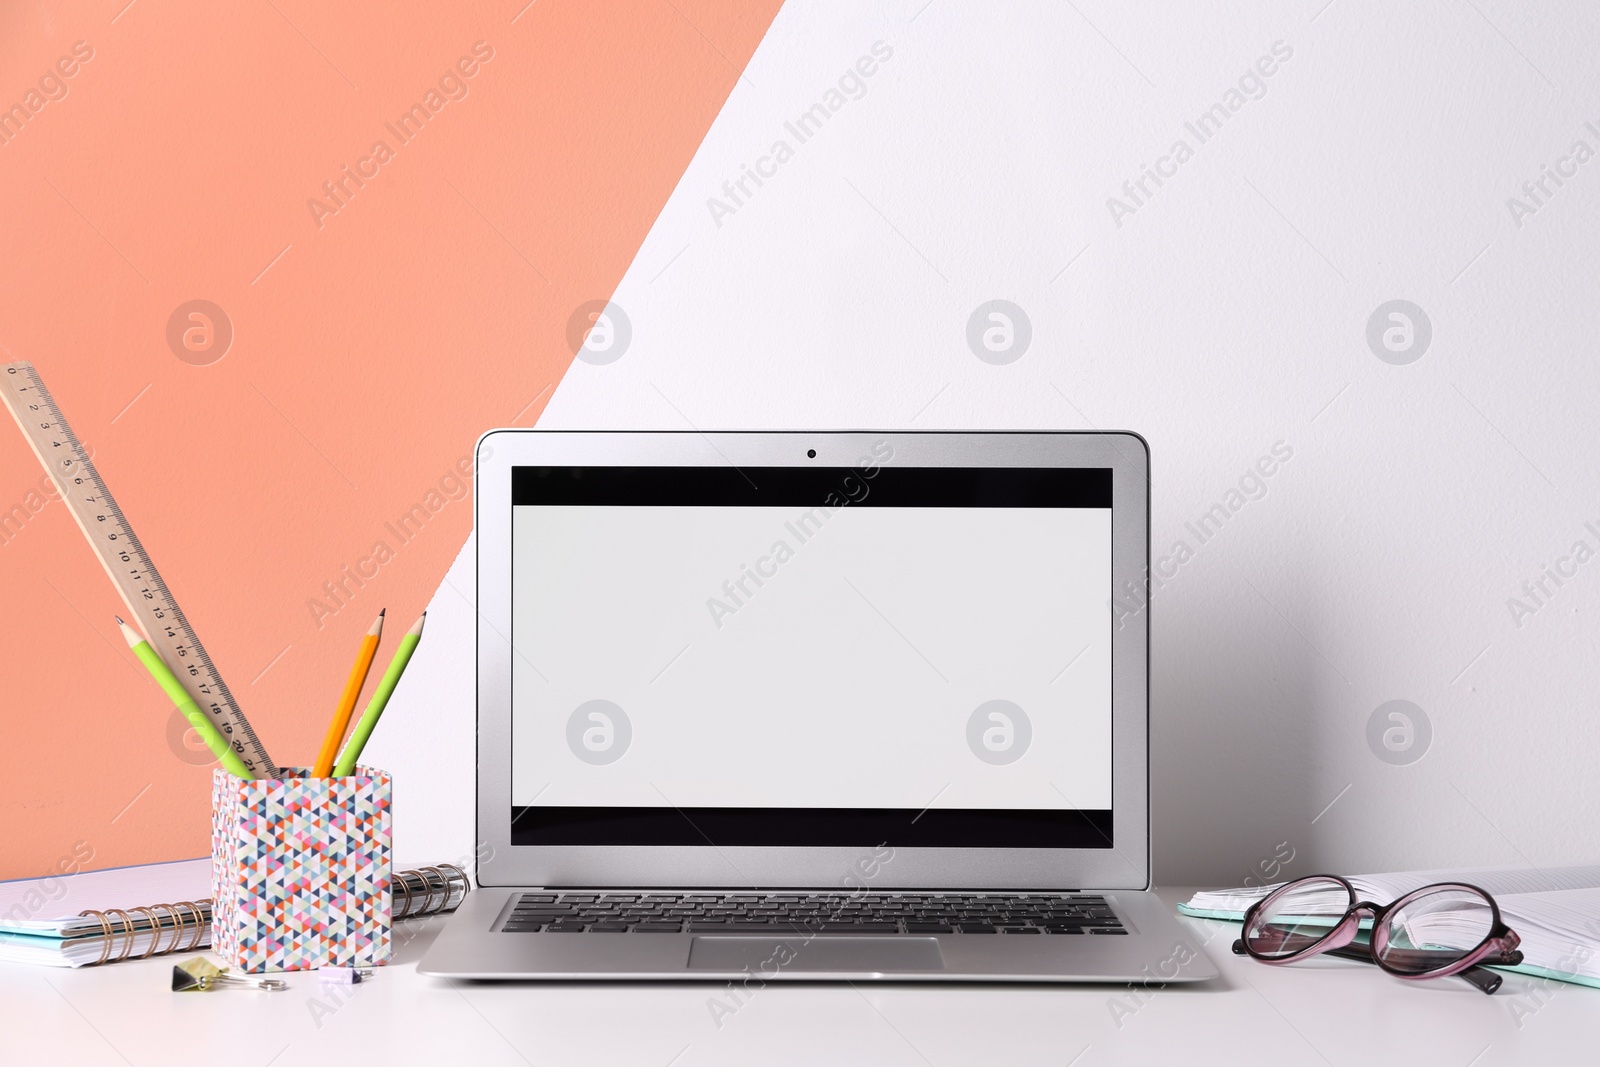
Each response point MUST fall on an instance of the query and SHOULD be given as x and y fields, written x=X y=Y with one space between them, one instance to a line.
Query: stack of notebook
x=1554 y=910
x=104 y=916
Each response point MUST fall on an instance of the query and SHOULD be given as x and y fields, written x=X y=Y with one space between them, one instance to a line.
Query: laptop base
x=1156 y=949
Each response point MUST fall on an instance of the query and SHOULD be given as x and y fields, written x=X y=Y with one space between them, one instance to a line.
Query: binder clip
x=200 y=975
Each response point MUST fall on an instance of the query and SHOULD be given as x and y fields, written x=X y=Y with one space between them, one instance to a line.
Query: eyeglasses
x=1439 y=930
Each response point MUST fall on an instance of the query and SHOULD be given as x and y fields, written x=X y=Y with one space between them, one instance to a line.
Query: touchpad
x=766 y=955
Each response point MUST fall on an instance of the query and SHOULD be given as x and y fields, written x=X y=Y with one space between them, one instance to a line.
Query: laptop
x=813 y=706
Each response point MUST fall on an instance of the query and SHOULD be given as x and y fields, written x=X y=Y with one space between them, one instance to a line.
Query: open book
x=1554 y=910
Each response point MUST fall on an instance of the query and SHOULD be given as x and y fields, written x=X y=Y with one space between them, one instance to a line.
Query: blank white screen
x=847 y=678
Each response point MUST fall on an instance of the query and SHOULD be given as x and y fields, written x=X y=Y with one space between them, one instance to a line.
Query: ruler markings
x=126 y=562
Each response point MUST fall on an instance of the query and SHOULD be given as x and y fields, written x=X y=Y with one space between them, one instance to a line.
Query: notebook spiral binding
x=445 y=878
x=193 y=921
x=424 y=891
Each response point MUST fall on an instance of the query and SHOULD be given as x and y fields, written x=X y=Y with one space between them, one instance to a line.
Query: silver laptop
x=838 y=705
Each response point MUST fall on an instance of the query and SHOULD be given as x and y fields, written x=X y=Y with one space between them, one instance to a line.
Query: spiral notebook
x=98 y=917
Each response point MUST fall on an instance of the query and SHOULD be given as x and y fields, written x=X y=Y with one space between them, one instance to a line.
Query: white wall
x=1226 y=314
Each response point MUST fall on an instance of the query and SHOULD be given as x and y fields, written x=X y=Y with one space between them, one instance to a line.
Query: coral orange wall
x=371 y=343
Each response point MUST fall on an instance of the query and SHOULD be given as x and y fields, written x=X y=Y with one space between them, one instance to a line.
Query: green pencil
x=191 y=711
x=380 y=700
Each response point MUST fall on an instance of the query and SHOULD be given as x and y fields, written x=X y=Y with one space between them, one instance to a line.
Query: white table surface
x=1331 y=1012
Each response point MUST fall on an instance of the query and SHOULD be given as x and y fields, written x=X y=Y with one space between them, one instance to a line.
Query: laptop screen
x=811 y=656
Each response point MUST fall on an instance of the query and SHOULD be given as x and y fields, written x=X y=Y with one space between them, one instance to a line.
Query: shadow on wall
x=1233 y=691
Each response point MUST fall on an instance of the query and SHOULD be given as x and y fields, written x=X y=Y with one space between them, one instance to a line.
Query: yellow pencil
x=347 y=702
x=380 y=700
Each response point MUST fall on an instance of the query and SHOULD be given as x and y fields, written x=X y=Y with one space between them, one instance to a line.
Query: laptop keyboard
x=825 y=913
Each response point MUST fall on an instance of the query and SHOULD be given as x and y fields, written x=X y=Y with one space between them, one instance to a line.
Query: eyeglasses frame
x=1501 y=941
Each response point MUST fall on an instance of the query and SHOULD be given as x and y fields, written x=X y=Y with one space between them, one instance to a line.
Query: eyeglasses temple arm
x=1480 y=977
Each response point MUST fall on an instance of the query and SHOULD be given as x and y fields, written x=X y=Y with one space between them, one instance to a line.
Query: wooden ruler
x=147 y=597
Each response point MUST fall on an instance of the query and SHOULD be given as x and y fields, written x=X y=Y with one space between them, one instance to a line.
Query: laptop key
x=656 y=928
x=608 y=927
x=929 y=928
x=976 y=928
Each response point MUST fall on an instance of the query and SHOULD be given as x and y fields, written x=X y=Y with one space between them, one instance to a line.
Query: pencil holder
x=300 y=870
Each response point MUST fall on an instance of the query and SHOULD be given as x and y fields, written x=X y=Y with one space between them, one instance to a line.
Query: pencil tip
x=381 y=611
x=119 y=619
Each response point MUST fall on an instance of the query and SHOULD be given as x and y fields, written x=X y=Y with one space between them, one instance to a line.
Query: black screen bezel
x=868 y=484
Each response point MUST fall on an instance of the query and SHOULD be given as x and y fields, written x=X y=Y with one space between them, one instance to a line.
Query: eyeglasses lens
x=1297 y=916
x=1436 y=930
